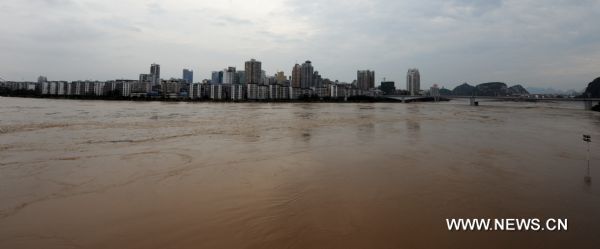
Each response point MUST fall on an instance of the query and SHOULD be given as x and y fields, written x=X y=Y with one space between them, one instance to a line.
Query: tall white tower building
x=413 y=81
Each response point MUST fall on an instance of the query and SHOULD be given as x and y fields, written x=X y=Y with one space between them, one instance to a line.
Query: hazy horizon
x=547 y=44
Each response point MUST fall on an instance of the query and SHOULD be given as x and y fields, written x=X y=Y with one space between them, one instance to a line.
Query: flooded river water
x=101 y=174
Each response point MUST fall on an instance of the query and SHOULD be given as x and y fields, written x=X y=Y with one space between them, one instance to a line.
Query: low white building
x=45 y=88
x=237 y=92
x=263 y=92
x=216 y=91
x=274 y=92
x=99 y=88
x=61 y=88
x=252 y=91
x=196 y=91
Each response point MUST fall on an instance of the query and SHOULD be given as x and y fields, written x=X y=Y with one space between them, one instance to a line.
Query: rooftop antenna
x=588 y=178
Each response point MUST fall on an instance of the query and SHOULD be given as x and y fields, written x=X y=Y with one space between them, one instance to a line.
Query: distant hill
x=445 y=91
x=492 y=89
x=517 y=90
x=464 y=90
x=489 y=89
x=593 y=89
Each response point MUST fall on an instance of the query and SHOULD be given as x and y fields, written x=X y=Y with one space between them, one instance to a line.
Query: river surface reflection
x=97 y=174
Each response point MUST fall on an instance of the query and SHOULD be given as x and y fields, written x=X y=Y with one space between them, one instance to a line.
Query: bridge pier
x=588 y=104
x=473 y=102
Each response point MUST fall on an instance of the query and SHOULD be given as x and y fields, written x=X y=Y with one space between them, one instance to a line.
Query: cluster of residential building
x=252 y=83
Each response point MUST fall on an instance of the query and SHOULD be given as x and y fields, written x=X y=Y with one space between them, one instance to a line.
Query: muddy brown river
x=102 y=174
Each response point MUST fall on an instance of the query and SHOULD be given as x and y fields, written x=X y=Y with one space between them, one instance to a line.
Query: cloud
x=231 y=20
x=542 y=43
x=155 y=9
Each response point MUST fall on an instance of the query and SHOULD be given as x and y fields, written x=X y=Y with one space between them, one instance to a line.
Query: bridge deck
x=520 y=98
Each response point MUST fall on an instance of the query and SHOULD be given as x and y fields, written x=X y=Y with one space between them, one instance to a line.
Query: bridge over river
x=474 y=100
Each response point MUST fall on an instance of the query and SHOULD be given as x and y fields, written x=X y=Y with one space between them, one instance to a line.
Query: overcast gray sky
x=541 y=43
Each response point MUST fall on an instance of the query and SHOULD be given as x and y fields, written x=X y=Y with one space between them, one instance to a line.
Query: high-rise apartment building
x=365 y=79
x=155 y=72
x=188 y=76
x=317 y=80
x=240 y=77
x=216 y=77
x=307 y=73
x=413 y=81
x=253 y=72
x=263 y=77
x=280 y=77
x=296 y=75
x=229 y=75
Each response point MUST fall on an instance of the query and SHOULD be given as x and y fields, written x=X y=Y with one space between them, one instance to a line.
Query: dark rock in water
x=492 y=89
x=596 y=108
x=517 y=90
x=464 y=90
x=593 y=89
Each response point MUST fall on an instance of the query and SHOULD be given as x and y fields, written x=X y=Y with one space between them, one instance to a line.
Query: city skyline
x=229 y=75
x=535 y=43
